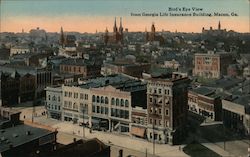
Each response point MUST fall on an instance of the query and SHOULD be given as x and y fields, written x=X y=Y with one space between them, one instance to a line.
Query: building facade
x=167 y=100
x=54 y=102
x=211 y=65
x=80 y=67
x=204 y=102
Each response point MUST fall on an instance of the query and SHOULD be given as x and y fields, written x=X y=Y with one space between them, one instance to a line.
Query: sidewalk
x=128 y=142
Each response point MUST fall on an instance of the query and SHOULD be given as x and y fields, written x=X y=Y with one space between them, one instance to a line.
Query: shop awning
x=138 y=131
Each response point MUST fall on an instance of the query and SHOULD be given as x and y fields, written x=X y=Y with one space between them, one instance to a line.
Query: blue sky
x=54 y=9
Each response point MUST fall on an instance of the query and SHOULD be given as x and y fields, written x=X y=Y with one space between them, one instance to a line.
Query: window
x=98 y=109
x=159 y=122
x=117 y=102
x=97 y=99
x=93 y=108
x=126 y=103
x=65 y=94
x=81 y=95
x=106 y=100
x=49 y=97
x=76 y=95
x=150 y=99
x=159 y=110
x=86 y=96
x=150 y=121
x=112 y=101
x=126 y=114
x=75 y=106
x=159 y=90
x=102 y=99
x=93 y=98
x=106 y=110
x=102 y=110
x=59 y=107
x=166 y=112
x=59 y=99
x=70 y=94
x=54 y=98
x=122 y=102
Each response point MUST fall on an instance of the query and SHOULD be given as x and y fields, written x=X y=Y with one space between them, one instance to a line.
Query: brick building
x=167 y=99
x=211 y=65
x=80 y=67
x=205 y=102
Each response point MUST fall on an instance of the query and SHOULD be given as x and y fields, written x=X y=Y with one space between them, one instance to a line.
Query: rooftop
x=203 y=90
x=79 y=62
x=19 y=135
x=118 y=81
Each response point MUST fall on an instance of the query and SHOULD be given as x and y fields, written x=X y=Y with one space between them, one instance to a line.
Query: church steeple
x=120 y=28
x=62 y=38
x=115 y=27
x=219 y=26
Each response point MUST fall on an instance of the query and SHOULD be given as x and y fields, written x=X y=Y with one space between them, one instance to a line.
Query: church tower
x=219 y=26
x=115 y=27
x=152 y=32
x=62 y=38
x=106 y=36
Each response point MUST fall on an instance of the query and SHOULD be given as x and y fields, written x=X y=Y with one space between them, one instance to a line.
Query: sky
x=92 y=15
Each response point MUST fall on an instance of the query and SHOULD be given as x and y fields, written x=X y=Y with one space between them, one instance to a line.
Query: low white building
x=19 y=50
x=54 y=102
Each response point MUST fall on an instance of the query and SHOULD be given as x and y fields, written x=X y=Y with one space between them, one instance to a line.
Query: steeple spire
x=120 y=28
x=115 y=27
x=62 y=38
x=219 y=26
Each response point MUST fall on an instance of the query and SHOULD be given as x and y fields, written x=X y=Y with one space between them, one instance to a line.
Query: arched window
x=102 y=99
x=122 y=102
x=93 y=98
x=106 y=100
x=126 y=103
x=49 y=97
x=112 y=101
x=97 y=99
x=117 y=101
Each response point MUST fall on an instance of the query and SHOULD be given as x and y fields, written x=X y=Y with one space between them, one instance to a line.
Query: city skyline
x=86 y=16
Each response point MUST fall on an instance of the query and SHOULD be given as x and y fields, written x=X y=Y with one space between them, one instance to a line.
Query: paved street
x=130 y=145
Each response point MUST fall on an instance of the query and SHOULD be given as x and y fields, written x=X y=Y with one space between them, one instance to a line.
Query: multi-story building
x=76 y=105
x=132 y=69
x=103 y=103
x=236 y=114
x=205 y=102
x=139 y=122
x=34 y=79
x=211 y=65
x=54 y=102
x=167 y=99
x=80 y=67
x=19 y=50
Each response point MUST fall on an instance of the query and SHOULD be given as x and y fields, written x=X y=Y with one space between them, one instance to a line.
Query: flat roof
x=16 y=136
x=118 y=81
x=203 y=90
